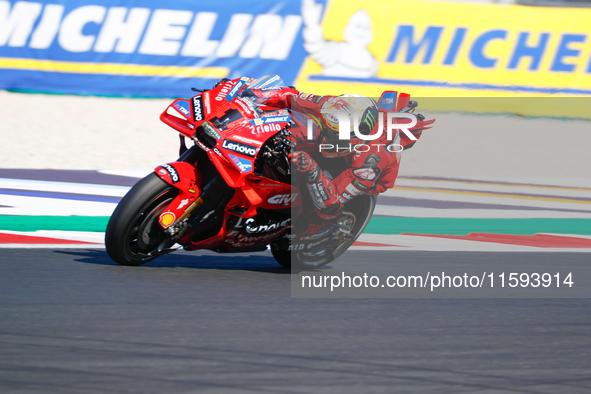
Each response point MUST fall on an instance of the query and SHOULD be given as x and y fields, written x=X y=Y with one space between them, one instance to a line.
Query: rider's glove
x=321 y=187
x=306 y=165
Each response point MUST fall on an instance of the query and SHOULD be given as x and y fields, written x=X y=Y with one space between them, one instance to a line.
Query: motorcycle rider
x=365 y=166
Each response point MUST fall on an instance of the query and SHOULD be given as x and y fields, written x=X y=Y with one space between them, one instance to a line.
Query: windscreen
x=267 y=82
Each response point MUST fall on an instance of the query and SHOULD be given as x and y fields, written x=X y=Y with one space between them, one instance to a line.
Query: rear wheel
x=356 y=216
x=133 y=235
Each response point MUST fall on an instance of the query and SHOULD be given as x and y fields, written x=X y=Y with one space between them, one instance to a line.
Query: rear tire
x=362 y=207
x=133 y=232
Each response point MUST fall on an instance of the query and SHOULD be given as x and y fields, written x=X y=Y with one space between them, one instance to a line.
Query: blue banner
x=133 y=48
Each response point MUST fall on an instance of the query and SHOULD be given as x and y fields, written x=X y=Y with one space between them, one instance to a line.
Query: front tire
x=133 y=234
x=280 y=250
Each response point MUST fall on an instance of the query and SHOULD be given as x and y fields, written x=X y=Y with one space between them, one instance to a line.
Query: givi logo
x=283 y=199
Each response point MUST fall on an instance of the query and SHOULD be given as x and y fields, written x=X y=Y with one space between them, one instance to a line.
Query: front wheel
x=133 y=235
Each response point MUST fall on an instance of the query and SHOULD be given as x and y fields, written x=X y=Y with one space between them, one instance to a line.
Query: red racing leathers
x=371 y=167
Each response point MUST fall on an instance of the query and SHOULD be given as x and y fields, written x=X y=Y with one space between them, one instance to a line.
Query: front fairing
x=232 y=130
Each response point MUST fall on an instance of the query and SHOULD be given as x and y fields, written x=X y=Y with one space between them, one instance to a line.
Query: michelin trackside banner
x=432 y=49
x=443 y=49
x=147 y=48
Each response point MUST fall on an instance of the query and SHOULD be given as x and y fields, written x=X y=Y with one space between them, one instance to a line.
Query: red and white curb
x=51 y=239
x=474 y=242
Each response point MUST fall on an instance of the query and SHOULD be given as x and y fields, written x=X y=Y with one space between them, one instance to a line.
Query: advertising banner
x=429 y=49
x=439 y=49
x=144 y=48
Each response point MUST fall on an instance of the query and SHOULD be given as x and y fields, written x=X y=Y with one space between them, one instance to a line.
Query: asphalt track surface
x=71 y=321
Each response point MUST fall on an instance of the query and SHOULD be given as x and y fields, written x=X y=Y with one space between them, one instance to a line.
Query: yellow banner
x=438 y=49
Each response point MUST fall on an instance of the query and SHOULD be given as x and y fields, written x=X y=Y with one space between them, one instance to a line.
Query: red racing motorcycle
x=232 y=191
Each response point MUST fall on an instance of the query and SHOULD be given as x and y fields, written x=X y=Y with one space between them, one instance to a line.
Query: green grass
x=451 y=226
x=64 y=223
x=377 y=225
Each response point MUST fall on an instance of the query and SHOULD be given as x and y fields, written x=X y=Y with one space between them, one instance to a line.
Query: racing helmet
x=361 y=108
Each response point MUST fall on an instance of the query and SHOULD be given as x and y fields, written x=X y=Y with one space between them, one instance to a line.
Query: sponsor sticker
x=166 y=218
x=270 y=89
x=318 y=200
x=192 y=188
x=279 y=112
x=311 y=97
x=209 y=129
x=388 y=101
x=220 y=154
x=206 y=102
x=322 y=191
x=352 y=190
x=265 y=228
x=273 y=127
x=365 y=173
x=283 y=199
x=250 y=240
x=239 y=147
x=232 y=93
x=183 y=203
x=217 y=152
x=244 y=107
x=269 y=120
x=268 y=124
x=182 y=107
x=172 y=172
x=224 y=90
x=243 y=164
x=245 y=139
x=197 y=108
x=345 y=196
x=359 y=185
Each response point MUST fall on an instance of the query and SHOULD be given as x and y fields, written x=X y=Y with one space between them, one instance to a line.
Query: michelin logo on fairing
x=239 y=147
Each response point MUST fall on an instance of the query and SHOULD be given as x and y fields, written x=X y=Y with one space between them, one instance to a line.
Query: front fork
x=211 y=195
